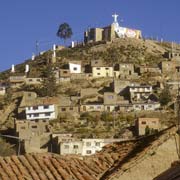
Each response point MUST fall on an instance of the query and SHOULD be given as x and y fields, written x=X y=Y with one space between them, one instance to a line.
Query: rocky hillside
x=137 y=51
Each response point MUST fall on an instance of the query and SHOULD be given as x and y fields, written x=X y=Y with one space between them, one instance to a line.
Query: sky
x=23 y=22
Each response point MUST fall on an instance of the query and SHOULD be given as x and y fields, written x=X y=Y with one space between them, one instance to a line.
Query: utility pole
x=37 y=47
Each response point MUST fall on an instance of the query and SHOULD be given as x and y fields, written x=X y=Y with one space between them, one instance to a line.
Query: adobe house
x=124 y=70
x=113 y=102
x=36 y=135
x=143 y=123
x=33 y=81
x=120 y=87
x=92 y=107
x=101 y=69
x=16 y=81
x=67 y=105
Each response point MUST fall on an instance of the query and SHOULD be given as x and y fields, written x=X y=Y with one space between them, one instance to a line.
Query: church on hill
x=110 y=32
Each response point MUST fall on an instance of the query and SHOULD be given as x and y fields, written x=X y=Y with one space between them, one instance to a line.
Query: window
x=63 y=109
x=66 y=146
x=97 y=144
x=23 y=127
x=75 y=68
x=88 y=152
x=38 y=80
x=46 y=107
x=143 y=122
x=75 y=147
x=65 y=72
x=97 y=68
x=36 y=115
x=88 y=143
x=107 y=68
x=110 y=97
x=34 y=127
x=35 y=107
x=71 y=108
x=98 y=74
x=91 y=107
x=30 y=80
x=98 y=107
x=47 y=114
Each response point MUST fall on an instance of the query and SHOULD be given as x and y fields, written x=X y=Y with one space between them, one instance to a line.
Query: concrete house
x=100 y=69
x=146 y=106
x=92 y=107
x=85 y=147
x=41 y=108
x=33 y=108
x=143 y=123
x=35 y=135
x=139 y=92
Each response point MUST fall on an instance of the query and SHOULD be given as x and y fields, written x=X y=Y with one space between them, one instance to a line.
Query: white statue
x=26 y=68
x=115 y=16
x=12 y=68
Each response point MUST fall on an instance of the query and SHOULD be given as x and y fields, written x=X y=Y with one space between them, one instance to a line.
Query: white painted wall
x=40 y=112
x=74 y=68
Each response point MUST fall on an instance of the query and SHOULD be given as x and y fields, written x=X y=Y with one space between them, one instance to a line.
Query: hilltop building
x=110 y=32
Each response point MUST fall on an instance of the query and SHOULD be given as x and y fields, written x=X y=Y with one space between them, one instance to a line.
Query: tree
x=49 y=83
x=64 y=32
x=165 y=96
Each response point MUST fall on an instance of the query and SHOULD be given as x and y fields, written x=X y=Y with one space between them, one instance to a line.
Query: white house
x=75 y=67
x=146 y=106
x=41 y=109
x=139 y=92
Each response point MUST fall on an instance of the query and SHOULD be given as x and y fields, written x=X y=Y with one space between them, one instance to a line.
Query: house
x=121 y=86
x=101 y=69
x=153 y=70
x=143 y=123
x=33 y=81
x=33 y=107
x=85 y=147
x=139 y=92
x=124 y=70
x=35 y=135
x=41 y=108
x=62 y=75
x=146 y=106
x=16 y=81
x=92 y=107
x=75 y=67
x=67 y=105
x=113 y=102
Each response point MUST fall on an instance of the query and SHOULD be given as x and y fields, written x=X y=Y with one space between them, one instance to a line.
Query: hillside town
x=58 y=103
